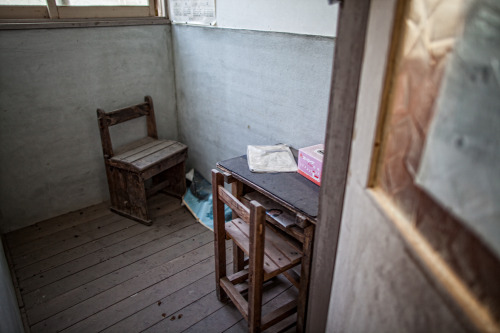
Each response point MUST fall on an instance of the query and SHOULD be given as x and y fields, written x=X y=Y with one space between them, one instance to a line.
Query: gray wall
x=240 y=87
x=51 y=82
x=10 y=319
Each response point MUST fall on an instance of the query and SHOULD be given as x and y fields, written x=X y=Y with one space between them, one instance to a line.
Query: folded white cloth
x=277 y=158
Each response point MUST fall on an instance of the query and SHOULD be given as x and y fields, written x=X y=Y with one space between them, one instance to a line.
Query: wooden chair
x=129 y=171
x=268 y=255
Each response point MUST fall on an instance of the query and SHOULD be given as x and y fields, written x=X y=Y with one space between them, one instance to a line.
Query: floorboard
x=48 y=227
x=94 y=271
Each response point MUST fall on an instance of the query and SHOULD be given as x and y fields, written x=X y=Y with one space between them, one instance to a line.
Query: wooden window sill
x=19 y=24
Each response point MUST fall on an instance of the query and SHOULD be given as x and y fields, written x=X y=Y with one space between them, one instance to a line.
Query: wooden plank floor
x=93 y=271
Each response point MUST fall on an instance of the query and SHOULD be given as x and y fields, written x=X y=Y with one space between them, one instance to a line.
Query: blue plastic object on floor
x=198 y=200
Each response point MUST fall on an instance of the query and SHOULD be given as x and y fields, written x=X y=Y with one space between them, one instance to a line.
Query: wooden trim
x=53 y=9
x=17 y=24
x=461 y=298
x=394 y=52
x=349 y=51
x=24 y=12
x=162 y=7
x=152 y=8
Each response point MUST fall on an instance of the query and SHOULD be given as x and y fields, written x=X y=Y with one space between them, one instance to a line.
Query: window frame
x=53 y=12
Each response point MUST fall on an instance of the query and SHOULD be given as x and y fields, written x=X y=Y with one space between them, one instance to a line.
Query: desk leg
x=238 y=255
x=305 y=274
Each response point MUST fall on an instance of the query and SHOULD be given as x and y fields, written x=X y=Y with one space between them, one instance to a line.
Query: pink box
x=310 y=162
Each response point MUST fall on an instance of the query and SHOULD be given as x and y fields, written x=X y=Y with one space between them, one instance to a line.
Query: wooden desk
x=298 y=195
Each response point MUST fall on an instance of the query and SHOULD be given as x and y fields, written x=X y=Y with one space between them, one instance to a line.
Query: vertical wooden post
x=256 y=265
x=53 y=10
x=107 y=148
x=219 y=234
x=305 y=277
x=151 y=121
x=136 y=191
x=152 y=7
x=348 y=60
x=238 y=254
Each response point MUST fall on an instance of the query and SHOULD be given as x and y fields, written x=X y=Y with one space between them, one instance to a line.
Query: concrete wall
x=51 y=82
x=10 y=319
x=312 y=17
x=240 y=87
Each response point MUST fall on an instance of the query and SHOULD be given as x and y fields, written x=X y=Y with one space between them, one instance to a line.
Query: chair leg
x=304 y=278
x=219 y=235
x=117 y=188
x=256 y=266
x=238 y=254
x=128 y=195
x=137 y=197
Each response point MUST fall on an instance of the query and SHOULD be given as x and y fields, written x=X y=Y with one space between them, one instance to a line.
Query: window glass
x=22 y=3
x=101 y=2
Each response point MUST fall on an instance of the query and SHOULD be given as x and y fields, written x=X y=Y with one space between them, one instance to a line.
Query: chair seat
x=148 y=153
x=279 y=255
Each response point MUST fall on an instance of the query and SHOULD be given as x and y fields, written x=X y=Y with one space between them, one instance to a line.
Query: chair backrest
x=107 y=119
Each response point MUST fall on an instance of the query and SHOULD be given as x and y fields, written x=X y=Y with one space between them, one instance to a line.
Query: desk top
x=289 y=188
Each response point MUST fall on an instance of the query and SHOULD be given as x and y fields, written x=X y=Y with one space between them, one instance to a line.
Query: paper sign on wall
x=193 y=11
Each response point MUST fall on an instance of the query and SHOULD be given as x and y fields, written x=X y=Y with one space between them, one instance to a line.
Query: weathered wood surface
x=58 y=237
x=236 y=206
x=42 y=229
x=237 y=189
x=64 y=251
x=269 y=254
x=219 y=235
x=138 y=149
x=139 y=161
x=227 y=317
x=86 y=269
x=286 y=221
x=347 y=64
x=155 y=274
x=302 y=228
x=167 y=306
x=258 y=249
x=119 y=116
x=279 y=255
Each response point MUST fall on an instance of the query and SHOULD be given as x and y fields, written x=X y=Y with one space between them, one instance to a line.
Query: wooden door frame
x=348 y=60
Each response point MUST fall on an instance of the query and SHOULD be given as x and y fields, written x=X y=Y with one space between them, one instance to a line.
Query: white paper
x=277 y=158
x=192 y=11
